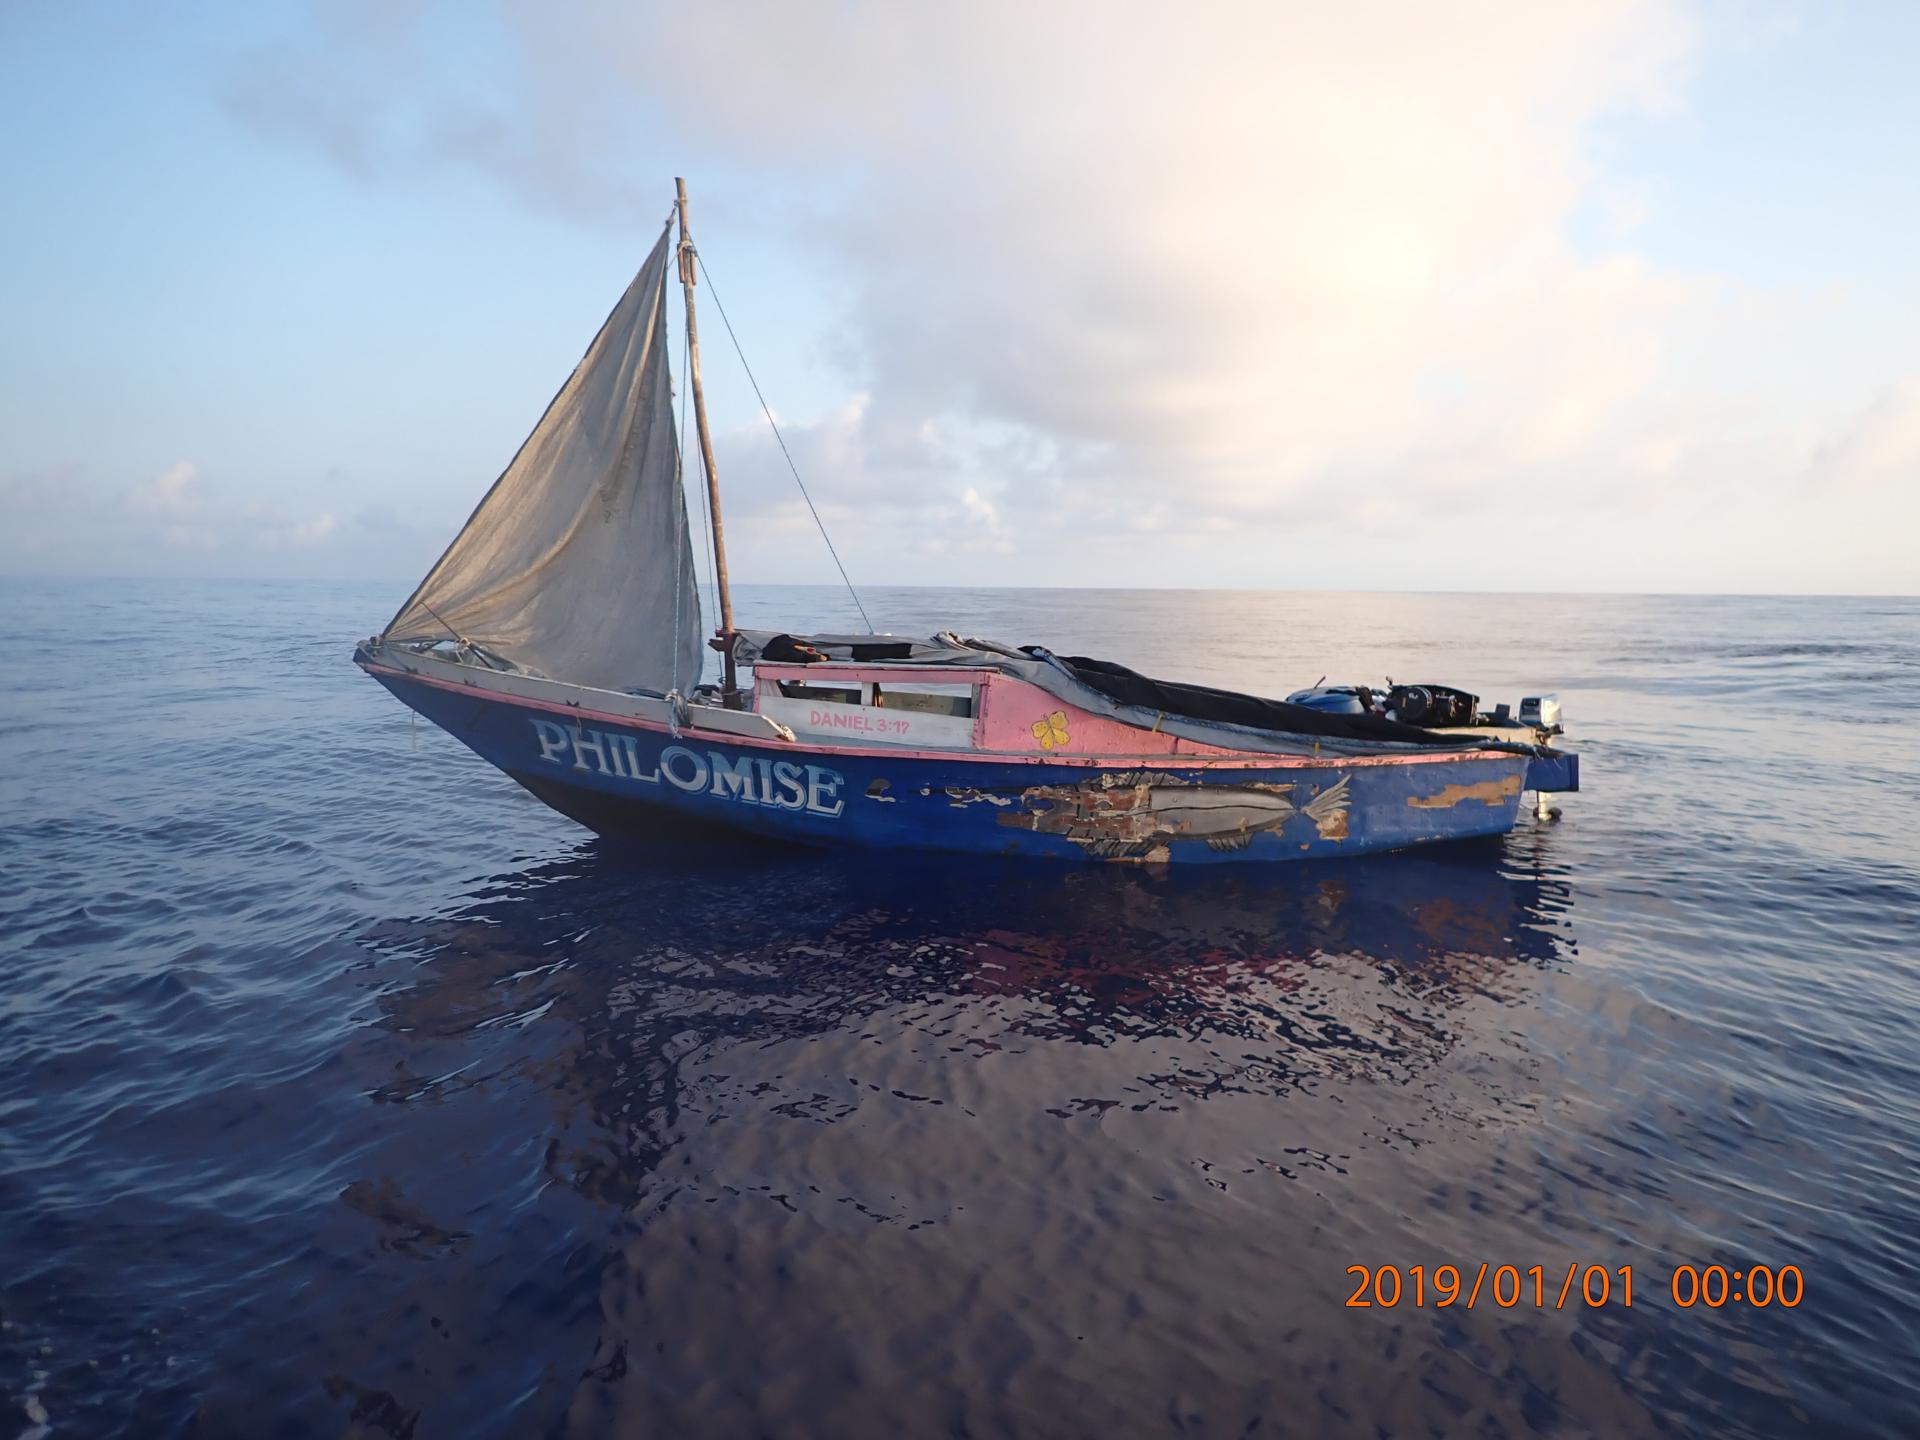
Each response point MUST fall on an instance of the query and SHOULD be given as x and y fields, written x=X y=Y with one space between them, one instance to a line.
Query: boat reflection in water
x=765 y=1142
x=652 y=957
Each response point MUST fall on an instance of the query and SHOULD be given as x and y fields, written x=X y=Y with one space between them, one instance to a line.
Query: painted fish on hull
x=1129 y=816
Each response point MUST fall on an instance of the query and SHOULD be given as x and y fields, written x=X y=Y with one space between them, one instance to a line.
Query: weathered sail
x=577 y=565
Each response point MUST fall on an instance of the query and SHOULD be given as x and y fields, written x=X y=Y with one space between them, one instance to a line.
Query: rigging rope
x=795 y=469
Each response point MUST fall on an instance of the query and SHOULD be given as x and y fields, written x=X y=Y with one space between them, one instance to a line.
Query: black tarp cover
x=1230 y=707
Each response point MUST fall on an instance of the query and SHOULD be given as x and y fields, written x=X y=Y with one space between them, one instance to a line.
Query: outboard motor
x=1541 y=710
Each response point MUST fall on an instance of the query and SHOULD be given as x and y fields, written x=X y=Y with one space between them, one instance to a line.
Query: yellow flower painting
x=1052 y=731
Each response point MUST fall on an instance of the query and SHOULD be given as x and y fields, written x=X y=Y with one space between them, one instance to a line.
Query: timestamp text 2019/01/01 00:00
x=1510 y=1286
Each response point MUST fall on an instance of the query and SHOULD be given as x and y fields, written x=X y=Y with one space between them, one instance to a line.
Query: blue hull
x=618 y=776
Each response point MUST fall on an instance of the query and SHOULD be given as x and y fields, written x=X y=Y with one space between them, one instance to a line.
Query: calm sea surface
x=344 y=1090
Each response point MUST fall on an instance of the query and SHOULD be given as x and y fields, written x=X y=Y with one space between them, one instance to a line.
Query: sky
x=1587 y=296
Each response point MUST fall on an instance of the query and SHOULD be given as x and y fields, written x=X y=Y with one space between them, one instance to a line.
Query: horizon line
x=152 y=578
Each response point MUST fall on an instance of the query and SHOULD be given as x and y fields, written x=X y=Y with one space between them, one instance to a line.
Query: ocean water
x=344 y=1090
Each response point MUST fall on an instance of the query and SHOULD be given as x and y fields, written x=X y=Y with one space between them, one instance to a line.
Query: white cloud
x=180 y=511
x=980 y=508
x=1882 y=444
x=1227 y=277
x=175 y=491
x=312 y=532
x=1225 y=251
x=271 y=527
x=1239 y=251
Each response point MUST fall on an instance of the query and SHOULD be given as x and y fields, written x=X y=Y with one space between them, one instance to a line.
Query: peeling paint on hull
x=628 y=775
x=1503 y=791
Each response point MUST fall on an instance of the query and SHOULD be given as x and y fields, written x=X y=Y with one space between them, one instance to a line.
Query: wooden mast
x=730 y=689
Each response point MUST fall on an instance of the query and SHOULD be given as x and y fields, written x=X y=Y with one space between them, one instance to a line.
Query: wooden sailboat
x=559 y=638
